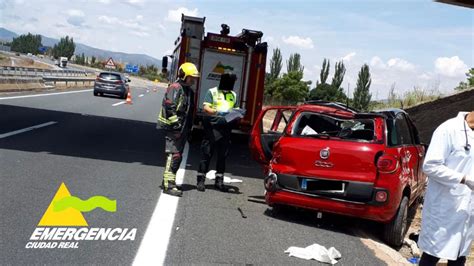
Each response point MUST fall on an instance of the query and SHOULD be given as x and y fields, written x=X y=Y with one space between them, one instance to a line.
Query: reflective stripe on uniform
x=168 y=174
x=222 y=102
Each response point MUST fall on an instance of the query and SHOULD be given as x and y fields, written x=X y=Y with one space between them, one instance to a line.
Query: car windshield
x=109 y=76
x=316 y=125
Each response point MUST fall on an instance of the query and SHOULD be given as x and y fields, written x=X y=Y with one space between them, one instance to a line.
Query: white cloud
x=135 y=25
x=348 y=57
x=269 y=39
x=136 y=2
x=395 y=63
x=301 y=42
x=140 y=33
x=377 y=62
x=425 y=76
x=400 y=64
x=450 y=66
x=174 y=15
x=76 y=17
x=75 y=13
x=104 y=1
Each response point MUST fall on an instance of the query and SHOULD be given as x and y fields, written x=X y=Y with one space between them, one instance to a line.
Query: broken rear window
x=313 y=125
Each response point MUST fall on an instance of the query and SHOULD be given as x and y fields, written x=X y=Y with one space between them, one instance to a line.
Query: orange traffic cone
x=129 y=98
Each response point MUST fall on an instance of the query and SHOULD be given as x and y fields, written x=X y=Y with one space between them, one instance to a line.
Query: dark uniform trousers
x=216 y=138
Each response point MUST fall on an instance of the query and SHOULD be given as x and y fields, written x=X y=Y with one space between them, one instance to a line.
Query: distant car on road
x=111 y=83
x=328 y=157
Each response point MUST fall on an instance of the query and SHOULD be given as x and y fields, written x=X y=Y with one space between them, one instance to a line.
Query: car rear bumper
x=358 y=199
x=116 y=91
x=360 y=210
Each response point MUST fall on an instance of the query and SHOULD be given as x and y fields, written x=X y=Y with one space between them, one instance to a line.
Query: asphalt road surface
x=102 y=146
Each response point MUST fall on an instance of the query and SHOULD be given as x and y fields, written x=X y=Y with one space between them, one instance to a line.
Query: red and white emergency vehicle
x=244 y=54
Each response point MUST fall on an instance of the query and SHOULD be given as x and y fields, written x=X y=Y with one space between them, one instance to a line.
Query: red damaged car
x=329 y=157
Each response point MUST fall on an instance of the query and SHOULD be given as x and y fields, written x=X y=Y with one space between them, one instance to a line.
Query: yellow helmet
x=188 y=69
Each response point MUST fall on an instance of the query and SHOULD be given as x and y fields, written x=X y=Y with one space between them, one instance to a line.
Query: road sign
x=131 y=68
x=110 y=64
x=42 y=49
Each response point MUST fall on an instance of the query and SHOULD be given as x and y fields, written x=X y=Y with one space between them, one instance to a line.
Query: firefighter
x=217 y=102
x=176 y=118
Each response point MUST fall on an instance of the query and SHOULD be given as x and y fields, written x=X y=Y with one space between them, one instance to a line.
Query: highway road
x=100 y=146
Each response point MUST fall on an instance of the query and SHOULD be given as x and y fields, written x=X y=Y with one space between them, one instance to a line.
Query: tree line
x=291 y=88
x=29 y=43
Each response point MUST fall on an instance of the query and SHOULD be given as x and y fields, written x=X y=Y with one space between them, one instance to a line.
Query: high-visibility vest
x=221 y=101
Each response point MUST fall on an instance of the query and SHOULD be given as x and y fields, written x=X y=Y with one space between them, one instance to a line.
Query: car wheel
x=96 y=93
x=397 y=228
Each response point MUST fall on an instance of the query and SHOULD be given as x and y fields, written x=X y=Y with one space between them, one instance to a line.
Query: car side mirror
x=128 y=80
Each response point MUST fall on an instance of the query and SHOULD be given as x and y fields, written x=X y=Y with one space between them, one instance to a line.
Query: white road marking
x=119 y=103
x=26 y=129
x=141 y=95
x=154 y=245
x=46 y=94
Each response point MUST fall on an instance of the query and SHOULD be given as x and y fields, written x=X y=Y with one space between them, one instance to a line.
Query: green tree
x=93 y=60
x=362 y=94
x=330 y=92
x=275 y=69
x=275 y=64
x=290 y=87
x=294 y=64
x=463 y=85
x=327 y=92
x=323 y=76
x=27 y=43
x=339 y=72
x=65 y=47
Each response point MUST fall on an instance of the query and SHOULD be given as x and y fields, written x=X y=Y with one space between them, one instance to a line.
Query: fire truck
x=214 y=53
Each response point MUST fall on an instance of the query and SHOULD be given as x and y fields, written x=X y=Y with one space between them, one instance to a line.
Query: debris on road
x=211 y=175
x=242 y=213
x=315 y=252
x=413 y=246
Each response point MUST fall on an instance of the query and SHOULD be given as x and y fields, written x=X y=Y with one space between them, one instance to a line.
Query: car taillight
x=270 y=182
x=97 y=78
x=381 y=196
x=118 y=82
x=387 y=163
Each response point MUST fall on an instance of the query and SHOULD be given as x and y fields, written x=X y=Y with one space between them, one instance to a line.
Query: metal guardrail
x=67 y=80
x=35 y=72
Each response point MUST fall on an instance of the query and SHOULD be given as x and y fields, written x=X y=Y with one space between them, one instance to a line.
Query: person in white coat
x=447 y=224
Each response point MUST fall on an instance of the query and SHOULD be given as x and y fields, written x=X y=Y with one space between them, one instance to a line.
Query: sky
x=406 y=43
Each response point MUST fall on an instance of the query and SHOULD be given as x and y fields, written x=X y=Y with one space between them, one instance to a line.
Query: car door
x=267 y=130
x=420 y=153
x=409 y=153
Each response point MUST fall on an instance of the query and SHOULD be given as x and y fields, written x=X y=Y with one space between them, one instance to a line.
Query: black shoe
x=200 y=183
x=173 y=191
x=219 y=184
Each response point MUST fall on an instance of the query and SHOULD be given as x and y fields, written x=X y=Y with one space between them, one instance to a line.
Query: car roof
x=341 y=109
x=328 y=107
x=110 y=72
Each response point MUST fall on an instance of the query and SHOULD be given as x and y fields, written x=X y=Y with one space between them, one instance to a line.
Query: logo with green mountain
x=66 y=210
x=218 y=70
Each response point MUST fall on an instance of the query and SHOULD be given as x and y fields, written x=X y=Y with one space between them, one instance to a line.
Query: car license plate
x=319 y=185
x=304 y=184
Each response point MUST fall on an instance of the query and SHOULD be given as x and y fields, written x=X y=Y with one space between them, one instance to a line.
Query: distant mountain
x=7 y=35
x=136 y=59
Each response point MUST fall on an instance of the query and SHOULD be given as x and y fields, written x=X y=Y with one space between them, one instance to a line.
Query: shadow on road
x=81 y=135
